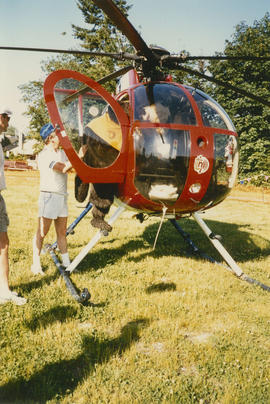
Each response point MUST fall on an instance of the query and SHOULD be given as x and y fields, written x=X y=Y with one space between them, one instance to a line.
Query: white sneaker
x=37 y=270
x=13 y=298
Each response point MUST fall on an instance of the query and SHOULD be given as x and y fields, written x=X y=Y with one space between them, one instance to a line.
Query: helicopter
x=170 y=149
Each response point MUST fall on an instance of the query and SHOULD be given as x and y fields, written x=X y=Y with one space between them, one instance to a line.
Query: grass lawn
x=162 y=327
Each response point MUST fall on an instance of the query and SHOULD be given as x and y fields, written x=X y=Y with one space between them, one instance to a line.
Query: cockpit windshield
x=163 y=103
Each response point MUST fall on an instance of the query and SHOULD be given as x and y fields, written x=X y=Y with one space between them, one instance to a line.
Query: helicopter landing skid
x=215 y=240
x=81 y=296
x=84 y=295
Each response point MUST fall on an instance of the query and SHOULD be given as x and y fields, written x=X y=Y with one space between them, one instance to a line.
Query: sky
x=198 y=26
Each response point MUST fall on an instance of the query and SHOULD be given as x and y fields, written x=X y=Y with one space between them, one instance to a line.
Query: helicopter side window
x=163 y=103
x=224 y=169
x=124 y=102
x=89 y=121
x=212 y=113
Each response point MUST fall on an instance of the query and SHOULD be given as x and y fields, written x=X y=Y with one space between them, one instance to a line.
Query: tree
x=100 y=36
x=252 y=119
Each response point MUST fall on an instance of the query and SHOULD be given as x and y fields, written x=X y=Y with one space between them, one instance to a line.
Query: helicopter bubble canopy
x=177 y=147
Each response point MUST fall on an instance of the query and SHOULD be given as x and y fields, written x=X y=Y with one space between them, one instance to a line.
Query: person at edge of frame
x=6 y=295
x=53 y=166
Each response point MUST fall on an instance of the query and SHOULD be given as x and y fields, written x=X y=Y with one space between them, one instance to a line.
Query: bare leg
x=42 y=230
x=44 y=225
x=60 y=225
x=61 y=228
x=6 y=295
x=4 y=264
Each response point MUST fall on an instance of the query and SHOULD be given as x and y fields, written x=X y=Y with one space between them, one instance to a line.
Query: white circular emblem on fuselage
x=201 y=164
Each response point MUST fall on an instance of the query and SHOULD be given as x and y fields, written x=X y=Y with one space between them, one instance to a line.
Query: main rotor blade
x=122 y=23
x=119 y=56
x=184 y=58
x=130 y=56
x=104 y=79
x=225 y=85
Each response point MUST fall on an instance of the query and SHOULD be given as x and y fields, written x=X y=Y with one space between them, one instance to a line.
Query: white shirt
x=2 y=172
x=50 y=179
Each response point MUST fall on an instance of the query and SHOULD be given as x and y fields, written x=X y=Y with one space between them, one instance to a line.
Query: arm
x=62 y=167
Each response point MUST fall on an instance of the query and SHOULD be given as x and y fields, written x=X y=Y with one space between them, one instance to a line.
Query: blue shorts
x=52 y=205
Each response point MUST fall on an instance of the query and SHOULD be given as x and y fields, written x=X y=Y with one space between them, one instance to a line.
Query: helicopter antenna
x=164 y=209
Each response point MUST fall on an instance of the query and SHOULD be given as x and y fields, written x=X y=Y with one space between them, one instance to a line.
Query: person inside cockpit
x=102 y=142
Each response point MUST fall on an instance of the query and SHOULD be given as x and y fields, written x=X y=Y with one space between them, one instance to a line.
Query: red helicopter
x=175 y=149
x=170 y=148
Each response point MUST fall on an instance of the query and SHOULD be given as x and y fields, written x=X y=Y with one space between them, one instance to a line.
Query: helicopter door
x=91 y=125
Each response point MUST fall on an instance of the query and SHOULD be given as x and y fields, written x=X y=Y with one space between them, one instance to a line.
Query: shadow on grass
x=56 y=314
x=59 y=313
x=160 y=287
x=37 y=283
x=61 y=378
x=98 y=259
x=240 y=244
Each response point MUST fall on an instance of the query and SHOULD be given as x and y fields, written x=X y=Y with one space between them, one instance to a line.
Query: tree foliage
x=252 y=119
x=100 y=35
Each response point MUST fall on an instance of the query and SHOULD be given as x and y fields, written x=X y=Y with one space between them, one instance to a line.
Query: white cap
x=5 y=111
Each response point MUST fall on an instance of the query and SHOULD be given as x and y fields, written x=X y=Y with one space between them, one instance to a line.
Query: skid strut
x=72 y=226
x=192 y=248
x=94 y=241
x=214 y=239
x=225 y=255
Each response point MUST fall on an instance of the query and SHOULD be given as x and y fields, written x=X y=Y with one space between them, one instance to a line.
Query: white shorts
x=52 y=205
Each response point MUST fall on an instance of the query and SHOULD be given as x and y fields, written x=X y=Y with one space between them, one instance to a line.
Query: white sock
x=36 y=257
x=5 y=292
x=65 y=259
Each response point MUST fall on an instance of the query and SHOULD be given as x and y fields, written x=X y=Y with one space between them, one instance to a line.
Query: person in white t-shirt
x=6 y=295
x=53 y=166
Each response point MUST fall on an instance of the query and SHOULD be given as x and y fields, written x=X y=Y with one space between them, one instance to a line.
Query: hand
x=82 y=151
x=67 y=167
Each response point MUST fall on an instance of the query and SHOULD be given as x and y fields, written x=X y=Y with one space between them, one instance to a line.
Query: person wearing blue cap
x=6 y=295
x=53 y=166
